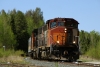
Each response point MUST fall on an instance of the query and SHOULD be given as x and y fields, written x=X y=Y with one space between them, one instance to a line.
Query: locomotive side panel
x=32 y=43
x=40 y=37
x=45 y=38
x=45 y=28
x=29 y=45
x=34 y=40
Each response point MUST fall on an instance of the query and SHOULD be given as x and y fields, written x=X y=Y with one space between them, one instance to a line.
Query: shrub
x=94 y=52
x=19 y=52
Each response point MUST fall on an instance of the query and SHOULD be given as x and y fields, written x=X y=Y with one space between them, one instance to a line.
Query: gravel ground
x=50 y=64
x=17 y=65
x=42 y=63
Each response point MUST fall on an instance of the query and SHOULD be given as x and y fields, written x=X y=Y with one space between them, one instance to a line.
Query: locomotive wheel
x=29 y=54
x=34 y=54
x=38 y=53
x=71 y=59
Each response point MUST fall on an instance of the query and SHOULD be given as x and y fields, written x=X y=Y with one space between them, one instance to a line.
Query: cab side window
x=53 y=24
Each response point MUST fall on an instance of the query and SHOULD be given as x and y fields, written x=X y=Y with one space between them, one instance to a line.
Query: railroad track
x=80 y=63
x=76 y=63
x=88 y=64
x=50 y=63
x=16 y=65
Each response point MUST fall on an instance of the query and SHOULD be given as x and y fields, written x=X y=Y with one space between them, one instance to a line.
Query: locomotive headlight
x=65 y=29
x=57 y=41
x=74 y=42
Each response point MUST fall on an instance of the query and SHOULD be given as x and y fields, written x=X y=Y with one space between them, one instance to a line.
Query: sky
x=86 y=12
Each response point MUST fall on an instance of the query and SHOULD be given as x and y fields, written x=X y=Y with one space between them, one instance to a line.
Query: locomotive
x=57 y=39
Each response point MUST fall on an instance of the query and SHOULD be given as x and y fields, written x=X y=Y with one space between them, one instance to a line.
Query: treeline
x=16 y=27
x=90 y=43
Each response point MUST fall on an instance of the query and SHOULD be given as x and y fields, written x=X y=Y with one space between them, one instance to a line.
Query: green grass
x=94 y=52
x=11 y=56
x=6 y=53
x=56 y=64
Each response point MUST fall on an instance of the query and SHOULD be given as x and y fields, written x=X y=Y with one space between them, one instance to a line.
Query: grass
x=12 y=59
x=11 y=56
x=56 y=64
x=86 y=58
x=94 y=52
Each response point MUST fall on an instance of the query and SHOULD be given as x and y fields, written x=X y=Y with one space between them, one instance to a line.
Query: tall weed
x=8 y=52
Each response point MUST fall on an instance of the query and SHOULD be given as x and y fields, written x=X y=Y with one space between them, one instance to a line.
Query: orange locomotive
x=57 y=39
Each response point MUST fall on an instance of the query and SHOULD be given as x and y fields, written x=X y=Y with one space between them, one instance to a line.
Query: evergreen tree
x=34 y=19
x=21 y=31
x=7 y=37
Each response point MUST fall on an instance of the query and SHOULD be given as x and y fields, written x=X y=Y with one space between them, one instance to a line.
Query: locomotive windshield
x=74 y=25
x=53 y=24
x=71 y=23
x=60 y=23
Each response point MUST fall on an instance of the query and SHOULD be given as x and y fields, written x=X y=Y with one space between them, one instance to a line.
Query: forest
x=16 y=28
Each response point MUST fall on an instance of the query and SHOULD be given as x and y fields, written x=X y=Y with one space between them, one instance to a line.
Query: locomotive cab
x=63 y=32
x=63 y=37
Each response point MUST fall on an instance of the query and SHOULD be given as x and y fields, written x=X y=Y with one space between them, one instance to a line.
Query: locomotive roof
x=64 y=19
